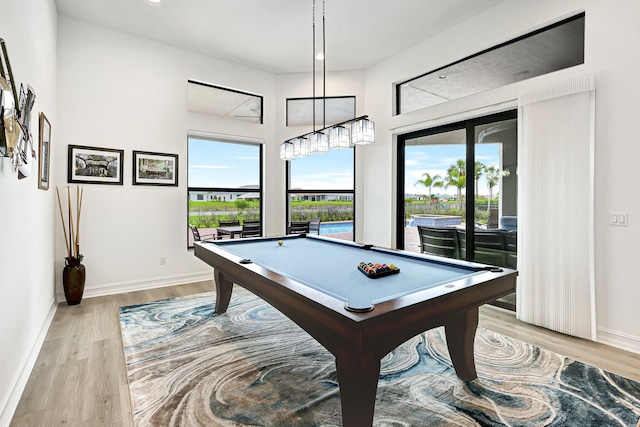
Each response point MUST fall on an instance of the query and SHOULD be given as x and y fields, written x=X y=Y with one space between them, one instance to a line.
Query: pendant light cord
x=324 y=67
x=324 y=74
x=362 y=129
x=313 y=26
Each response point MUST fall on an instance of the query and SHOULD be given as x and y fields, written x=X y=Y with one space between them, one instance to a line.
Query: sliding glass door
x=457 y=191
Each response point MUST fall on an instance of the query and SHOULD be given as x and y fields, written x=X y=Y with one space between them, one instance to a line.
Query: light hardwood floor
x=80 y=379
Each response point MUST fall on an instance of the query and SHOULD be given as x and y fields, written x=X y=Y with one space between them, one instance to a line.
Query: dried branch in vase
x=71 y=229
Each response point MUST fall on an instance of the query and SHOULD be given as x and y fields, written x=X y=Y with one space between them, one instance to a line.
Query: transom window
x=550 y=49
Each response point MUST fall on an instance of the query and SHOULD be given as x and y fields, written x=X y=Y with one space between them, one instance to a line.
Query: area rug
x=252 y=366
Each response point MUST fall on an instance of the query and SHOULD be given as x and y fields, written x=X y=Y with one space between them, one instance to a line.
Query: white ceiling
x=275 y=35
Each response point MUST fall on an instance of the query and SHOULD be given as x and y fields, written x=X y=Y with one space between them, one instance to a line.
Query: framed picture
x=155 y=168
x=93 y=165
x=43 y=153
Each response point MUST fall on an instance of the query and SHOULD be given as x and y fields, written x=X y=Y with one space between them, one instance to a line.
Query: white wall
x=610 y=32
x=124 y=92
x=119 y=91
x=26 y=213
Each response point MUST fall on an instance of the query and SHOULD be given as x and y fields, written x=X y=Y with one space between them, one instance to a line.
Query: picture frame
x=95 y=165
x=155 y=169
x=43 y=152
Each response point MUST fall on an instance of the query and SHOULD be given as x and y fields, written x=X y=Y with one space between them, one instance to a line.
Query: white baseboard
x=140 y=285
x=619 y=340
x=19 y=382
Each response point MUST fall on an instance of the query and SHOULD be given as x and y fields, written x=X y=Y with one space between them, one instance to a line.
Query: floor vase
x=73 y=277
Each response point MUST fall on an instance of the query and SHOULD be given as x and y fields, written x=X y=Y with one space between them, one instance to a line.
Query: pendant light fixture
x=358 y=131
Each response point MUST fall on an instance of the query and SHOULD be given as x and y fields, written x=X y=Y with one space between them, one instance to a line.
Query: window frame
x=289 y=191
x=469 y=126
x=260 y=189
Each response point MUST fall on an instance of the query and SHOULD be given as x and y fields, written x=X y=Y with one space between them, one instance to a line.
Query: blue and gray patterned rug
x=254 y=367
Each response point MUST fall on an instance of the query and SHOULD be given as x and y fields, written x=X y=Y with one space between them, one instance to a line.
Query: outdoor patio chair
x=230 y=223
x=197 y=237
x=314 y=226
x=298 y=227
x=439 y=241
x=511 y=241
x=490 y=246
x=251 y=229
x=509 y=223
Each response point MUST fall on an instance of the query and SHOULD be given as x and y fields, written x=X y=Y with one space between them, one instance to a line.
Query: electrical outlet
x=163 y=260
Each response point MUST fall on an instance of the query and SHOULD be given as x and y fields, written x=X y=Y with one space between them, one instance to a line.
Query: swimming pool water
x=336 y=227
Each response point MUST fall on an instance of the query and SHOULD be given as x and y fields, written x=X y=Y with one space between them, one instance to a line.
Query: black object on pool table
x=374 y=271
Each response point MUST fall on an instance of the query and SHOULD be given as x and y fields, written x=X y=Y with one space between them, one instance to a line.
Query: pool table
x=315 y=282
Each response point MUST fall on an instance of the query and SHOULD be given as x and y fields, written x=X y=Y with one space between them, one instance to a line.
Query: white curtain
x=556 y=208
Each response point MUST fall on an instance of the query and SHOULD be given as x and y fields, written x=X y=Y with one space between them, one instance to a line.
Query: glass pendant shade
x=313 y=143
x=286 y=151
x=323 y=142
x=304 y=147
x=319 y=142
x=362 y=132
x=339 y=138
x=296 y=146
x=289 y=152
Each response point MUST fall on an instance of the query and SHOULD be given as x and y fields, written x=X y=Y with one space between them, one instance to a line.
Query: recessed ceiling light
x=155 y=1
x=320 y=56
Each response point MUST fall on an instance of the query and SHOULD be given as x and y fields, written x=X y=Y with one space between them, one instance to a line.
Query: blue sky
x=436 y=159
x=235 y=165
x=332 y=170
x=215 y=164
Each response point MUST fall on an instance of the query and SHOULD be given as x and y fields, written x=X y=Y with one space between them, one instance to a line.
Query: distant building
x=246 y=192
x=314 y=197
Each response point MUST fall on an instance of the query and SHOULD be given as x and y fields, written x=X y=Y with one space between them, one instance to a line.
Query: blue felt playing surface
x=332 y=268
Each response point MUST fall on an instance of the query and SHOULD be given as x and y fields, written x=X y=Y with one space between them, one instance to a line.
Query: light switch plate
x=618 y=218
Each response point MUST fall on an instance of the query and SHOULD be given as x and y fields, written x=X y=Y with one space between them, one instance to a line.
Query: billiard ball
x=280 y=242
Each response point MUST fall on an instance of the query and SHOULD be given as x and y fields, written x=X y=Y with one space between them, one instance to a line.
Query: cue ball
x=280 y=242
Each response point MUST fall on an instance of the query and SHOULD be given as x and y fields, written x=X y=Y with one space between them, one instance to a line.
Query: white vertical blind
x=556 y=208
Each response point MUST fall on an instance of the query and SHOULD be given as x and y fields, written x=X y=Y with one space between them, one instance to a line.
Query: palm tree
x=430 y=182
x=456 y=177
x=479 y=171
x=492 y=174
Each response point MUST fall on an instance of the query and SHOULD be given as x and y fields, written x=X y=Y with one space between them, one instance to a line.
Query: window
x=321 y=186
x=550 y=49
x=224 y=183
x=219 y=101
x=329 y=110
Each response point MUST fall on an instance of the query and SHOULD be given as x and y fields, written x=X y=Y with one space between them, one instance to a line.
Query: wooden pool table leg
x=461 y=333
x=224 y=288
x=358 y=378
